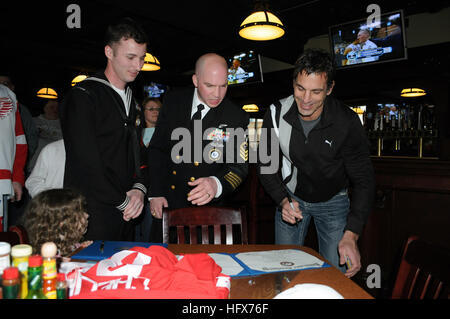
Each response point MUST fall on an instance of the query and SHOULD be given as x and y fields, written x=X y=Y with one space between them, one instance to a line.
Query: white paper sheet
x=229 y=266
x=265 y=262
x=279 y=260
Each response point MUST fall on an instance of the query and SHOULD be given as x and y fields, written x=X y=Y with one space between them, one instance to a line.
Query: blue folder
x=248 y=271
x=94 y=252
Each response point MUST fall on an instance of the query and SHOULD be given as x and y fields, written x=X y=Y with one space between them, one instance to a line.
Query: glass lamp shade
x=151 y=63
x=250 y=108
x=261 y=26
x=78 y=79
x=412 y=92
x=47 y=93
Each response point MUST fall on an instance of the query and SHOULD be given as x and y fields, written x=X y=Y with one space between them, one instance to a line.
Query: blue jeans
x=144 y=224
x=330 y=218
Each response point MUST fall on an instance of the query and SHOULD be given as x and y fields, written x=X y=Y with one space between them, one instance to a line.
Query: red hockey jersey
x=13 y=146
x=152 y=272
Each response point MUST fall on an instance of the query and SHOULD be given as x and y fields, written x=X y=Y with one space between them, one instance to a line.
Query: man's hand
x=348 y=248
x=289 y=214
x=205 y=188
x=156 y=206
x=134 y=207
x=18 y=191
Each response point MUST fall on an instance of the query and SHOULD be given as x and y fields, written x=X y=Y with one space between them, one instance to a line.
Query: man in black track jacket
x=324 y=151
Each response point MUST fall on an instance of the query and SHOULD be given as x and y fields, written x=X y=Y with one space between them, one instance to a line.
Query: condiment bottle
x=35 y=278
x=5 y=249
x=61 y=286
x=48 y=252
x=20 y=255
x=11 y=283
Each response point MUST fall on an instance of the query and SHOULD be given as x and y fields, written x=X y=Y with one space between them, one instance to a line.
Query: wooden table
x=268 y=286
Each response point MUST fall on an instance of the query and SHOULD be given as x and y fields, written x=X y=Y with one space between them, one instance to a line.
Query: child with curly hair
x=57 y=215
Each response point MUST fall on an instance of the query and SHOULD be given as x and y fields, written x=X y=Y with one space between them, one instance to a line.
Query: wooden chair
x=15 y=235
x=211 y=220
x=424 y=271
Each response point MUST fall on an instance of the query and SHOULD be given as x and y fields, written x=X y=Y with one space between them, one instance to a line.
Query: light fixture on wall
x=151 y=63
x=79 y=78
x=261 y=25
x=47 y=93
x=250 y=108
x=412 y=92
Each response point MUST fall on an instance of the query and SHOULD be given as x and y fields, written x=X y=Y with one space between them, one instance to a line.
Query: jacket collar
x=101 y=75
x=118 y=99
x=213 y=114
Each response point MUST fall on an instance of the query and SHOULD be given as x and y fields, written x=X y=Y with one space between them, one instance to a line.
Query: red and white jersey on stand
x=152 y=272
x=13 y=144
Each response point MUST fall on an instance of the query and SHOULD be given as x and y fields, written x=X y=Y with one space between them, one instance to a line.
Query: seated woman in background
x=57 y=215
x=150 y=108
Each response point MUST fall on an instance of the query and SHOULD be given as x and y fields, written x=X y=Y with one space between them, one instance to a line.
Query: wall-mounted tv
x=155 y=89
x=358 y=43
x=244 y=67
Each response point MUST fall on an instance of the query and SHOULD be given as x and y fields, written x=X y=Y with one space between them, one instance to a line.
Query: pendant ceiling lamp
x=47 y=93
x=261 y=25
x=78 y=79
x=412 y=92
x=250 y=108
x=151 y=63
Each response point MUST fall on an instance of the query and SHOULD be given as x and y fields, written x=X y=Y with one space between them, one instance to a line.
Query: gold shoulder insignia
x=243 y=151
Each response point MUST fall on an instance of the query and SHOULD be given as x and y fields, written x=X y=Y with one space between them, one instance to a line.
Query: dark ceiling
x=39 y=49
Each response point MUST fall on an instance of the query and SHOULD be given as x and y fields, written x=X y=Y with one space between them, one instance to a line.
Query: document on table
x=229 y=265
x=259 y=262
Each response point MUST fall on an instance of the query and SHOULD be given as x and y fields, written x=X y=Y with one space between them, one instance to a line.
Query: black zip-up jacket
x=333 y=157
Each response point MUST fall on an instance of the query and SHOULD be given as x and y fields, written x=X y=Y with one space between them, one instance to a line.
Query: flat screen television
x=244 y=67
x=358 y=43
x=153 y=89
